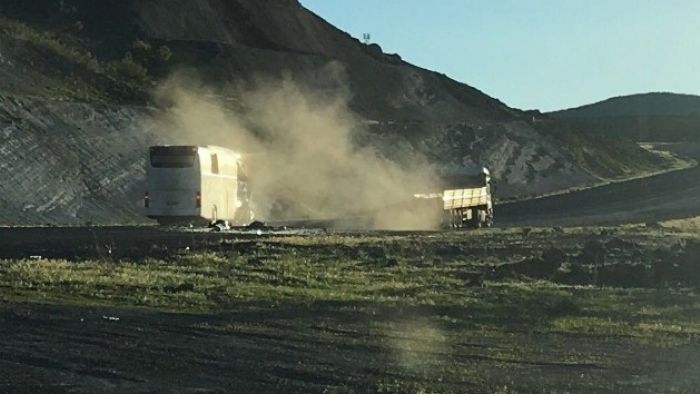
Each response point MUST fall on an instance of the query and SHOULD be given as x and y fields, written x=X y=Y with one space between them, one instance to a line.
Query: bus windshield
x=173 y=156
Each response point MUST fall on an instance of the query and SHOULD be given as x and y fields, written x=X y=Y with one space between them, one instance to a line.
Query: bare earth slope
x=70 y=157
x=72 y=163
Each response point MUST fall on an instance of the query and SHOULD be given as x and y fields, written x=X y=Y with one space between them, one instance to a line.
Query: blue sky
x=537 y=54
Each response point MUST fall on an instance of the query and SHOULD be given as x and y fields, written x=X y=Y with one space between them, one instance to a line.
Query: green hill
x=647 y=104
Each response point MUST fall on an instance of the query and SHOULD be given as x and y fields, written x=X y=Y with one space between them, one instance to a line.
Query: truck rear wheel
x=454 y=219
x=489 y=218
x=478 y=218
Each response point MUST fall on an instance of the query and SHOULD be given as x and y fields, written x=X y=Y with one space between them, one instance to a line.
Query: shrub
x=130 y=69
x=145 y=54
x=20 y=31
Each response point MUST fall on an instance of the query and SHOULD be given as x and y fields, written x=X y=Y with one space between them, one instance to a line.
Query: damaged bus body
x=465 y=197
x=195 y=185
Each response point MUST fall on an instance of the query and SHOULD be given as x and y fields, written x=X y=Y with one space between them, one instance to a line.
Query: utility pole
x=366 y=38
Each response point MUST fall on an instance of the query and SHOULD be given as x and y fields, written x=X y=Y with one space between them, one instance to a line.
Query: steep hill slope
x=77 y=103
x=70 y=163
x=642 y=117
x=231 y=41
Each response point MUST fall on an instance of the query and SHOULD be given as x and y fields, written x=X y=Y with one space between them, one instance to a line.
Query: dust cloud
x=418 y=346
x=300 y=149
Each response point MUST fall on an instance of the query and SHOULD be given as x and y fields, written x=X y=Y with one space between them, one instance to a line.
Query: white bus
x=196 y=185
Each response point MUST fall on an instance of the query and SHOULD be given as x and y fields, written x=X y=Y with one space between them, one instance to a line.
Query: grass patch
x=389 y=314
x=430 y=271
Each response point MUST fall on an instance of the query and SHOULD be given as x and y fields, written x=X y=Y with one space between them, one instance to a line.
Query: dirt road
x=666 y=196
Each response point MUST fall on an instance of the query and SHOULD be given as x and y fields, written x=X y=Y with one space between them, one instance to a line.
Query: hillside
x=661 y=117
x=85 y=86
x=230 y=41
x=647 y=104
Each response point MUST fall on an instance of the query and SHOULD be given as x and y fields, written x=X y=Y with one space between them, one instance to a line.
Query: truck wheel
x=489 y=217
x=454 y=219
x=480 y=218
x=461 y=223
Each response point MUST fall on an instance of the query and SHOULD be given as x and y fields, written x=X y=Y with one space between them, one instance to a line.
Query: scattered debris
x=220 y=225
x=258 y=225
x=256 y=228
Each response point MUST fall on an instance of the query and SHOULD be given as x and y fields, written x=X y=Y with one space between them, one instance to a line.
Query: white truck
x=465 y=197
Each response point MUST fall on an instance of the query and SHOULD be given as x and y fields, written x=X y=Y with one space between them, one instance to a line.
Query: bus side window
x=214 y=164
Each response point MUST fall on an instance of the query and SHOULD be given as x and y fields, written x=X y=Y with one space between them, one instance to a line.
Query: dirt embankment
x=70 y=163
x=523 y=163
